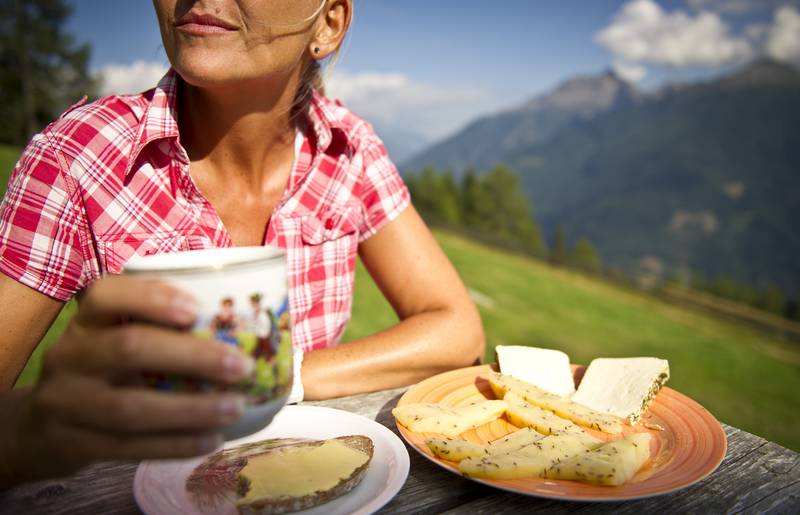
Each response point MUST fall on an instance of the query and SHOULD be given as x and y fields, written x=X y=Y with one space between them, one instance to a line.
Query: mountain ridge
x=701 y=177
x=535 y=120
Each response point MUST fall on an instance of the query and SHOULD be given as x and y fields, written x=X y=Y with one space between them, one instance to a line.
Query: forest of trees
x=770 y=298
x=42 y=69
x=492 y=207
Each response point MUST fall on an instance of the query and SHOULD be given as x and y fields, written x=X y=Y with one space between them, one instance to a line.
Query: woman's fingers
x=135 y=347
x=93 y=404
x=117 y=298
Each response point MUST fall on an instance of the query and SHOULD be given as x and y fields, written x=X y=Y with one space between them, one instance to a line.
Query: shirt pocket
x=116 y=252
x=329 y=225
x=330 y=245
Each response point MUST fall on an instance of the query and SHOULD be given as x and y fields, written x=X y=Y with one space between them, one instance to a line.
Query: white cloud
x=736 y=6
x=395 y=101
x=130 y=78
x=643 y=33
x=629 y=72
x=757 y=33
x=783 y=38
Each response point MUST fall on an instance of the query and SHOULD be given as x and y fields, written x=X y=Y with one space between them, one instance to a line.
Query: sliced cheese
x=546 y=368
x=624 y=387
x=299 y=471
x=501 y=384
x=432 y=418
x=513 y=442
x=613 y=463
x=530 y=460
x=522 y=414
x=454 y=449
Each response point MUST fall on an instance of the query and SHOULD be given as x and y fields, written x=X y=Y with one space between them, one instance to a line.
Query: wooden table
x=755 y=476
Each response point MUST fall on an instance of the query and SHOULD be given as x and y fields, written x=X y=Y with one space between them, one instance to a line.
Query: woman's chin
x=208 y=73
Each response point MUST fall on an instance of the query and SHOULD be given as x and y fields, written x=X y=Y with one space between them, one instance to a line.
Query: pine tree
x=585 y=257
x=477 y=205
x=436 y=196
x=42 y=70
x=558 y=253
x=421 y=189
x=495 y=205
x=448 y=206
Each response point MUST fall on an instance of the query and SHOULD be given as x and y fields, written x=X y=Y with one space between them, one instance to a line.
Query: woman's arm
x=26 y=316
x=439 y=326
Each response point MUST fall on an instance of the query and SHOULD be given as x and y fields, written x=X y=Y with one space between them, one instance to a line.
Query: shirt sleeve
x=40 y=244
x=384 y=195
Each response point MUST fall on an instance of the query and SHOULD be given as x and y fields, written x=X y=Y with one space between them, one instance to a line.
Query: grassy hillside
x=743 y=377
x=8 y=157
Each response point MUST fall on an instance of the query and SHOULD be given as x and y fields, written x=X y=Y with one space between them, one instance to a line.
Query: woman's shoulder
x=109 y=117
x=96 y=135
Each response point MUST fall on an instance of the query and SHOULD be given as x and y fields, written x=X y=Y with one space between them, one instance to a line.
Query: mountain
x=702 y=177
x=479 y=144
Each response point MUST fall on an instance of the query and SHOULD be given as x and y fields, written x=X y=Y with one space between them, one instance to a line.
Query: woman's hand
x=89 y=403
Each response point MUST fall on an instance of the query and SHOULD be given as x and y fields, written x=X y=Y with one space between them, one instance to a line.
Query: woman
x=234 y=147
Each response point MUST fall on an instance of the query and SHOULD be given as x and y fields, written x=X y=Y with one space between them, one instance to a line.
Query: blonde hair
x=313 y=78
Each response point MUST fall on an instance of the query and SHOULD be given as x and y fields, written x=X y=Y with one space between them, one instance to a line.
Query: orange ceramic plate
x=689 y=447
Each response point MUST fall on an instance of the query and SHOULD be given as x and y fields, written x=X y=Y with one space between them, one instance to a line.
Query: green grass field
x=744 y=377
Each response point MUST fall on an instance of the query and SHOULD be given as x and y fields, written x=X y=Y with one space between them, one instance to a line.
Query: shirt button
x=329 y=224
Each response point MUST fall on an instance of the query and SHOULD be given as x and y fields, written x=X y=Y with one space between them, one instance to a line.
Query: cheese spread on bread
x=299 y=471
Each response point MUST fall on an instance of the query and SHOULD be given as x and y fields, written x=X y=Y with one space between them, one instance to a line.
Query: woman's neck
x=243 y=131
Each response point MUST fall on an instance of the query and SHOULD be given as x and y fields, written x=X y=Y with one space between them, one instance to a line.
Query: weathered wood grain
x=756 y=476
x=101 y=488
x=761 y=479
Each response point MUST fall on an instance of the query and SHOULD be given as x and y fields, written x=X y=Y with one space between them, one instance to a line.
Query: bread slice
x=216 y=480
x=339 y=464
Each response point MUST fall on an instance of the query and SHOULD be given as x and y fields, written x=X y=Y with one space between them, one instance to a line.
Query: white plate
x=160 y=486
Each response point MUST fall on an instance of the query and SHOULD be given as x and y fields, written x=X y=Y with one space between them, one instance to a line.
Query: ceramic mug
x=243 y=301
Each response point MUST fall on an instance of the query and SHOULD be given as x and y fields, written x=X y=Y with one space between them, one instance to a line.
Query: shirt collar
x=160 y=120
x=323 y=121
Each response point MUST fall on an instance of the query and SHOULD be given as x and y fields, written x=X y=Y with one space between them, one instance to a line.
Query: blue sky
x=427 y=67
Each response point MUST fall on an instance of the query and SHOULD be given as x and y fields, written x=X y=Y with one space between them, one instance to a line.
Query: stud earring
x=316 y=49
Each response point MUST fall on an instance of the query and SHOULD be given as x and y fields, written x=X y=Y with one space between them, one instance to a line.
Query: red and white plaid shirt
x=110 y=179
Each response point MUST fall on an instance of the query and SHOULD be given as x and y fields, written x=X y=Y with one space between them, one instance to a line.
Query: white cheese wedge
x=624 y=387
x=546 y=368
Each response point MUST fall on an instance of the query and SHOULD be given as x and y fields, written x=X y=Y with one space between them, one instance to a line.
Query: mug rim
x=217 y=259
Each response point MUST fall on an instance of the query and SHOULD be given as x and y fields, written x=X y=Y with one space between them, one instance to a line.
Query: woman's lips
x=203 y=25
x=198 y=29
